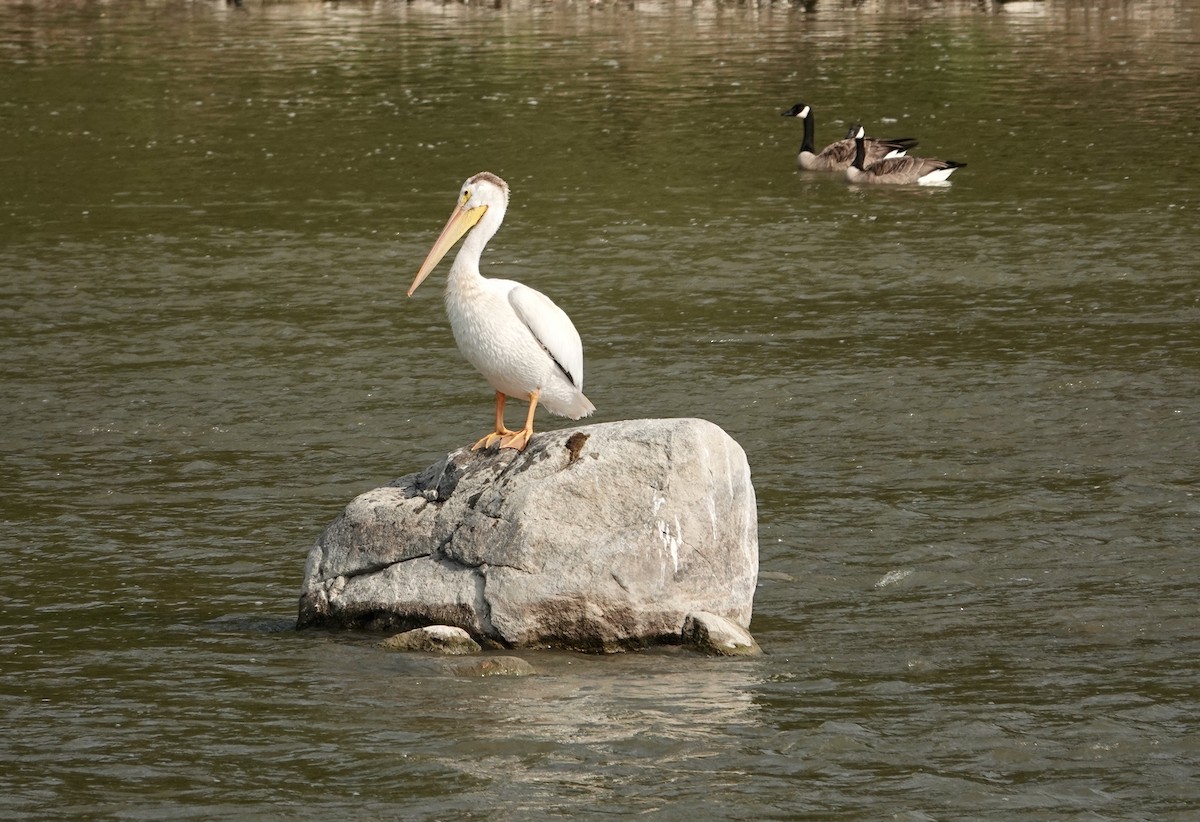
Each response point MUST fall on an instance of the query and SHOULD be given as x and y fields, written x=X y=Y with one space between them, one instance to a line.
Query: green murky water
x=971 y=412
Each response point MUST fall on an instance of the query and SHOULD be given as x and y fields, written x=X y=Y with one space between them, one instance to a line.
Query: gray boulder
x=598 y=538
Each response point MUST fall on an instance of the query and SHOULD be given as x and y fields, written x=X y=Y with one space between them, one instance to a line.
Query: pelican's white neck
x=466 y=262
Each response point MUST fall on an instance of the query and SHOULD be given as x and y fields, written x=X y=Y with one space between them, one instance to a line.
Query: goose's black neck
x=809 y=128
x=860 y=152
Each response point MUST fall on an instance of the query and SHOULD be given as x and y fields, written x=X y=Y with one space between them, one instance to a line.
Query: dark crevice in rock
x=376 y=567
x=487 y=510
x=445 y=552
x=484 y=610
x=442 y=549
x=482 y=566
x=507 y=567
x=516 y=466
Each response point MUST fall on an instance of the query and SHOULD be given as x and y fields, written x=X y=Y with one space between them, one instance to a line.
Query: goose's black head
x=798 y=110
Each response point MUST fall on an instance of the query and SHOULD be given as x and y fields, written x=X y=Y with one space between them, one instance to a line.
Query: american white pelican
x=897 y=170
x=522 y=342
x=838 y=156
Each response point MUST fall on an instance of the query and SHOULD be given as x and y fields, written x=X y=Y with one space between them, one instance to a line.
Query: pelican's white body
x=492 y=337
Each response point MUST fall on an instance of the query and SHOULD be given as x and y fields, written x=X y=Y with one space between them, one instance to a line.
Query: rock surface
x=436 y=639
x=598 y=538
x=718 y=636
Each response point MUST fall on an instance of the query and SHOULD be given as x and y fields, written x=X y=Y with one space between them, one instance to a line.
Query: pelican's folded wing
x=552 y=328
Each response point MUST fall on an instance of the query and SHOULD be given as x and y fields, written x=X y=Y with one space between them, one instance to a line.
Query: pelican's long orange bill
x=461 y=221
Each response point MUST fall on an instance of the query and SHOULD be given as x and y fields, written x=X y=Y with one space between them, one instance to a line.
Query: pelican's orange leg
x=500 y=433
x=519 y=439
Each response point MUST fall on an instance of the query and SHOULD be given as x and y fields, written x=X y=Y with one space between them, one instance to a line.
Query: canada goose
x=896 y=170
x=838 y=156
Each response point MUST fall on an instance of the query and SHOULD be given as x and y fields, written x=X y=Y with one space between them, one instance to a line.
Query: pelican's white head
x=485 y=188
x=482 y=198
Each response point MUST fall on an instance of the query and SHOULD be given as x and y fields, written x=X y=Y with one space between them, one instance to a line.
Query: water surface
x=970 y=412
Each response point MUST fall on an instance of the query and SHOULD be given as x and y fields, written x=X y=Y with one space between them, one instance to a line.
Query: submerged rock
x=493 y=666
x=438 y=639
x=599 y=538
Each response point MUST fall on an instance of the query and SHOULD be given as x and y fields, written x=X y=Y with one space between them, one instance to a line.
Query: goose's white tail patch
x=938 y=177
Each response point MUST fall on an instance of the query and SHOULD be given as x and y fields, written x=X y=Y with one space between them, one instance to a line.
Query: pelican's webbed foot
x=517 y=439
x=492 y=439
